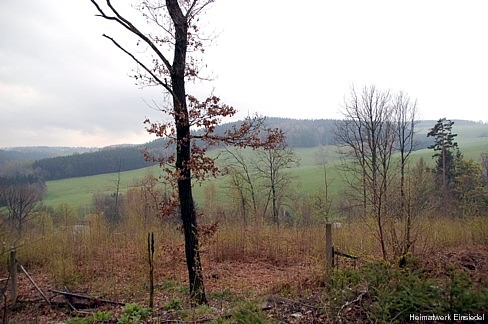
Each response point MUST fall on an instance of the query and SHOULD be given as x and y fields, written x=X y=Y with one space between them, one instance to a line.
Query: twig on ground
x=357 y=299
x=33 y=283
x=96 y=299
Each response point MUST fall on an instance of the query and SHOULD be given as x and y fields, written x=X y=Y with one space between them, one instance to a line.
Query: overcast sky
x=63 y=84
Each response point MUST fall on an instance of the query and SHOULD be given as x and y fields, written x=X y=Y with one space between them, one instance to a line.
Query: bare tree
x=484 y=166
x=20 y=200
x=243 y=180
x=405 y=112
x=367 y=138
x=350 y=139
x=321 y=199
x=151 y=197
x=271 y=165
x=109 y=205
x=175 y=61
x=238 y=187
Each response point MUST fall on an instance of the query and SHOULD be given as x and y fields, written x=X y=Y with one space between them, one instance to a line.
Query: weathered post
x=150 y=254
x=13 y=276
x=328 y=248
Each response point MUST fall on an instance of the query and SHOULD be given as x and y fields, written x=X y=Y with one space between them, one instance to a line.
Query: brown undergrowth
x=240 y=264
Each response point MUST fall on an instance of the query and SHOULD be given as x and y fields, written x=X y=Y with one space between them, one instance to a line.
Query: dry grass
x=239 y=262
x=113 y=262
x=267 y=243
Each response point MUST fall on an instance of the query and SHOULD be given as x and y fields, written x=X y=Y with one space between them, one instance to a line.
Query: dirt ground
x=289 y=294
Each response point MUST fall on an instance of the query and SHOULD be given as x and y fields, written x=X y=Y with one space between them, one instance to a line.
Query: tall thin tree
x=444 y=147
x=405 y=113
x=366 y=137
x=173 y=62
x=271 y=165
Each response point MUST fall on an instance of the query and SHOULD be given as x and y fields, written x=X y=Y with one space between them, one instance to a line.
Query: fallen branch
x=339 y=253
x=273 y=300
x=3 y=291
x=96 y=299
x=357 y=299
x=33 y=283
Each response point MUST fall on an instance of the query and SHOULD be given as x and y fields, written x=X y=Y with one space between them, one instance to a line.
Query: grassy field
x=308 y=176
x=78 y=192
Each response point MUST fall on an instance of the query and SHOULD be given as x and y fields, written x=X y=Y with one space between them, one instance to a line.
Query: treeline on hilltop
x=299 y=133
x=39 y=152
x=14 y=155
x=305 y=133
x=103 y=161
x=321 y=132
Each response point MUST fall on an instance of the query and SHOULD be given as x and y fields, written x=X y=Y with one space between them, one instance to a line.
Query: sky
x=63 y=84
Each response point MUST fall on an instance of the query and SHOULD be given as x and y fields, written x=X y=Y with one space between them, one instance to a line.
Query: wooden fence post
x=150 y=254
x=13 y=276
x=328 y=247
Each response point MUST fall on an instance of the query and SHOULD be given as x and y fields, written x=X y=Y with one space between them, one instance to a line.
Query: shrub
x=249 y=312
x=134 y=313
x=390 y=294
x=173 y=304
x=462 y=296
x=98 y=317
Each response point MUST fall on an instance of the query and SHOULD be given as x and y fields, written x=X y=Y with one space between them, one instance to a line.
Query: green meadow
x=78 y=192
x=307 y=176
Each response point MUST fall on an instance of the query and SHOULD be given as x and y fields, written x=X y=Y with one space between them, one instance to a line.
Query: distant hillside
x=107 y=160
x=320 y=132
x=311 y=133
x=39 y=152
x=305 y=132
x=299 y=134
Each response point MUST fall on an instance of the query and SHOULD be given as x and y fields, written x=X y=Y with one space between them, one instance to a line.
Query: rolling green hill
x=307 y=176
x=299 y=134
x=79 y=191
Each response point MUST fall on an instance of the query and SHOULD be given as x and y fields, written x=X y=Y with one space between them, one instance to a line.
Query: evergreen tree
x=470 y=191
x=446 y=152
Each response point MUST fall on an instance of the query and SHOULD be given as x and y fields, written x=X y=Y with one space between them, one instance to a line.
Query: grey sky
x=62 y=83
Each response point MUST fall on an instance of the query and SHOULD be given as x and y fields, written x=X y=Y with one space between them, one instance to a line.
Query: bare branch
x=164 y=84
x=193 y=11
x=128 y=25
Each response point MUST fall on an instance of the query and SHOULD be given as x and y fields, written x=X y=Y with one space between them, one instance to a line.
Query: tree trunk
x=274 y=205
x=403 y=213
x=381 y=232
x=183 y=155
x=187 y=207
x=444 y=182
